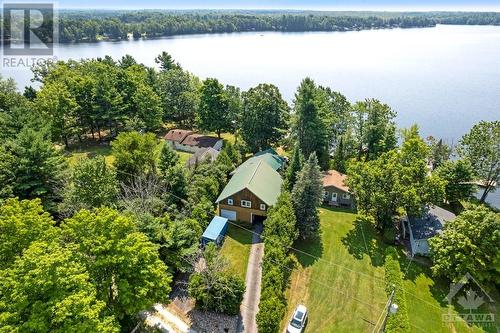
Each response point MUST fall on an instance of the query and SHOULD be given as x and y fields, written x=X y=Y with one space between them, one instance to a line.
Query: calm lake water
x=445 y=78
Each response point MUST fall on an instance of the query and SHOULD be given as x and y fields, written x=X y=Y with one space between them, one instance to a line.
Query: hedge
x=400 y=322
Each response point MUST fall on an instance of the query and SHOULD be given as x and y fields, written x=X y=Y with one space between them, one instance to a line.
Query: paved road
x=250 y=304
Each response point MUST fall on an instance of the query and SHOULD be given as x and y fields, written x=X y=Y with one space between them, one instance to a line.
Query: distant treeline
x=94 y=25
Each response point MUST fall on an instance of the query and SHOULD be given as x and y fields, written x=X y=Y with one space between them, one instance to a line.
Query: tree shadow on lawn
x=240 y=235
x=363 y=240
x=308 y=251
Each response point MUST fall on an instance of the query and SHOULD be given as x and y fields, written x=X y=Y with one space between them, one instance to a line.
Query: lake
x=445 y=79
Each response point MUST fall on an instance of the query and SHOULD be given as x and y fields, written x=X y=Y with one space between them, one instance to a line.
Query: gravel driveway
x=250 y=305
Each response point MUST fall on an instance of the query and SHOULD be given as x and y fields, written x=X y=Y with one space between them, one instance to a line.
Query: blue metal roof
x=215 y=228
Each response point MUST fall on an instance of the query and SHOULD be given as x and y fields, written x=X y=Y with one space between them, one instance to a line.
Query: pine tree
x=309 y=128
x=307 y=196
x=295 y=167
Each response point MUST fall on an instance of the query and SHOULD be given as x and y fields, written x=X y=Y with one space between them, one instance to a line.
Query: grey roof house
x=421 y=229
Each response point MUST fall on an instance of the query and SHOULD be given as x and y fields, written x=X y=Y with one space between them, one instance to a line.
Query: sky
x=386 y=5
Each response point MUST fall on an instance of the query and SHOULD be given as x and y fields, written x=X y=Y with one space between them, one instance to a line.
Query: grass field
x=76 y=153
x=344 y=289
x=183 y=157
x=236 y=249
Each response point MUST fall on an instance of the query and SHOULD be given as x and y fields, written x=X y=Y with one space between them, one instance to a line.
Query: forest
x=95 y=25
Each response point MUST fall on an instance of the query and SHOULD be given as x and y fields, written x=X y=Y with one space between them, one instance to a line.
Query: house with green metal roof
x=270 y=156
x=253 y=188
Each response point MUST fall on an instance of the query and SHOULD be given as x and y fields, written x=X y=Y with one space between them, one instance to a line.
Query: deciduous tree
x=481 y=147
x=265 y=117
x=468 y=244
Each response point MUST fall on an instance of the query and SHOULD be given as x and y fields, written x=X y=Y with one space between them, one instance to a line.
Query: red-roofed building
x=336 y=192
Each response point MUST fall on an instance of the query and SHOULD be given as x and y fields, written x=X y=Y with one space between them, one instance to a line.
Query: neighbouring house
x=253 y=188
x=215 y=232
x=202 y=156
x=270 y=156
x=176 y=136
x=421 y=229
x=195 y=142
x=336 y=193
x=188 y=141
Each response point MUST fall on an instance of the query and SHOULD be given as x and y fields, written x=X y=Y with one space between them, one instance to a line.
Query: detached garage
x=215 y=232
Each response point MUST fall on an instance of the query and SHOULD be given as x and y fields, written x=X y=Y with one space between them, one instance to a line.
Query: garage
x=228 y=214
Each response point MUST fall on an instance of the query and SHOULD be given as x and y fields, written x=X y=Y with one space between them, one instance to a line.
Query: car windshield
x=296 y=323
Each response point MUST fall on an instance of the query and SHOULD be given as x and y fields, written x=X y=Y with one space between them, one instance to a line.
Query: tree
x=295 y=166
x=439 y=152
x=135 y=155
x=147 y=105
x=166 y=61
x=22 y=223
x=481 y=147
x=374 y=127
x=93 y=184
x=281 y=220
x=307 y=196
x=122 y=263
x=168 y=158
x=458 y=176
x=309 y=129
x=176 y=184
x=265 y=117
x=180 y=95
x=468 y=244
x=6 y=173
x=56 y=103
x=396 y=179
x=214 y=287
x=49 y=290
x=39 y=168
x=235 y=108
x=213 y=113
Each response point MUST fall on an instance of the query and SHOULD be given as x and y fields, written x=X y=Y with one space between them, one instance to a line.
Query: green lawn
x=236 y=249
x=75 y=153
x=184 y=156
x=344 y=290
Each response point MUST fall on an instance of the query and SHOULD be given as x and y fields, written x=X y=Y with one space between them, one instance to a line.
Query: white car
x=299 y=319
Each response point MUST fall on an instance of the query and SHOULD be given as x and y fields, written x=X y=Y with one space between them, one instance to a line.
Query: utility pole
x=391 y=309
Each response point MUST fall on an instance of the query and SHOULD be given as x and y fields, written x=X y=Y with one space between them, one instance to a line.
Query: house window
x=262 y=206
x=230 y=202
x=334 y=196
x=246 y=204
x=326 y=194
x=346 y=196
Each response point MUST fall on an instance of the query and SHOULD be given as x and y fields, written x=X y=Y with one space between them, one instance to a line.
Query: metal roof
x=259 y=178
x=215 y=228
x=274 y=160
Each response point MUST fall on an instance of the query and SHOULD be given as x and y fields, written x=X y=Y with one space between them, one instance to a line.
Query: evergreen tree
x=168 y=158
x=309 y=128
x=307 y=196
x=294 y=167
x=39 y=168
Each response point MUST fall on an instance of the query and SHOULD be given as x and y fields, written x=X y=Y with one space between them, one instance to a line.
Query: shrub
x=271 y=310
x=398 y=323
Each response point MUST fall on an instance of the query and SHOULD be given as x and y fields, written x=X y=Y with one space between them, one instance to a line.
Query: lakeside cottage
x=420 y=229
x=336 y=193
x=188 y=141
x=254 y=186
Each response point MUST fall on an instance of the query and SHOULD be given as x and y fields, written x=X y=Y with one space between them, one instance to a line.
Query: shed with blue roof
x=216 y=231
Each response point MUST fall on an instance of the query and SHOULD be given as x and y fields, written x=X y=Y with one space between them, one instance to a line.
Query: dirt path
x=250 y=304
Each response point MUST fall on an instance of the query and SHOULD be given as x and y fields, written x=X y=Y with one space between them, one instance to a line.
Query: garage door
x=228 y=214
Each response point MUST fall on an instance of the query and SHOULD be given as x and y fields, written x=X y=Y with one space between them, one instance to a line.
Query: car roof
x=301 y=308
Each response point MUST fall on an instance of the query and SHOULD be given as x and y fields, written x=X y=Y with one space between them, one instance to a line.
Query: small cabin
x=216 y=231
